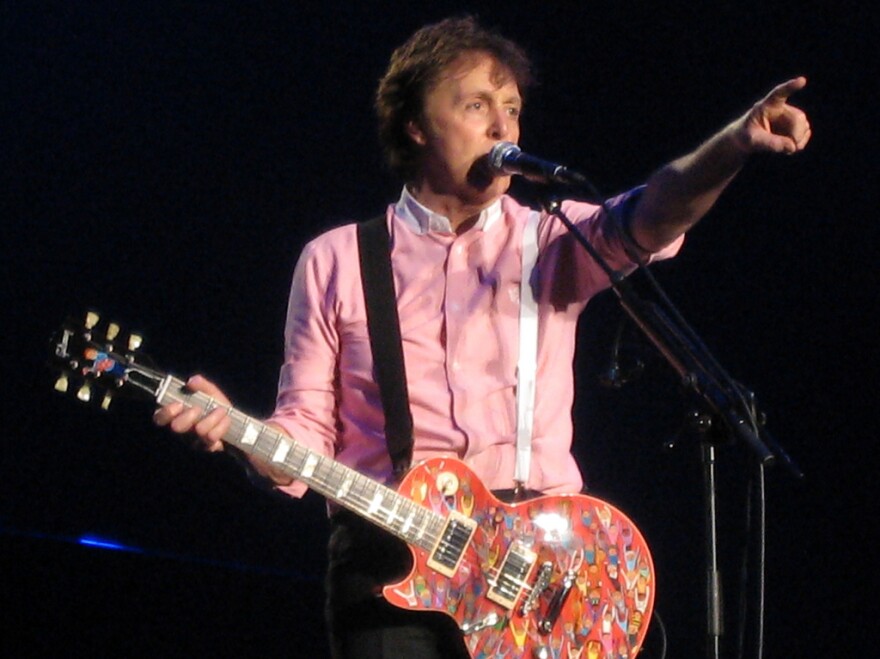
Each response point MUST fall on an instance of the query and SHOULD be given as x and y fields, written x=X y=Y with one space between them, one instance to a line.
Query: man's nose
x=500 y=126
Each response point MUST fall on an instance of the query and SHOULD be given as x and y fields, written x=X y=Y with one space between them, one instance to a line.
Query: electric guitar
x=563 y=577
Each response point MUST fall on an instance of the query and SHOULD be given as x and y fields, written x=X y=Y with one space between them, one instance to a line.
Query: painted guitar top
x=565 y=576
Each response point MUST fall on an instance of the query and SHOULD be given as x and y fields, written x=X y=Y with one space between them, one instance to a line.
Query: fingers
x=777 y=126
x=204 y=385
x=781 y=93
x=209 y=428
x=801 y=142
x=212 y=428
x=794 y=129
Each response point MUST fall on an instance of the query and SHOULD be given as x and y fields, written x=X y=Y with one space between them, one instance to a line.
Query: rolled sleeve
x=621 y=210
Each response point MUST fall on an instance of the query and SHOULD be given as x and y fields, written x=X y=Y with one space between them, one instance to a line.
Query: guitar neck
x=406 y=519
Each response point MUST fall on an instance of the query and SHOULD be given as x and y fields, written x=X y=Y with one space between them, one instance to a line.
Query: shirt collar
x=421 y=219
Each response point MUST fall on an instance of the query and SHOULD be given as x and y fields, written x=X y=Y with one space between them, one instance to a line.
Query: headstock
x=96 y=359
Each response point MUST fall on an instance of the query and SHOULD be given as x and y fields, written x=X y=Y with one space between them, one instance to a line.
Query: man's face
x=475 y=104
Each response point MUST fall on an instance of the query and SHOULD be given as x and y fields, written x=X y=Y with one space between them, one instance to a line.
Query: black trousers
x=362 y=625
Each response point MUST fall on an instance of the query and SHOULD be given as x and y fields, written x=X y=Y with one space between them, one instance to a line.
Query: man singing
x=452 y=92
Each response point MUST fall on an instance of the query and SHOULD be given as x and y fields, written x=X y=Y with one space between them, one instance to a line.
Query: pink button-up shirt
x=458 y=302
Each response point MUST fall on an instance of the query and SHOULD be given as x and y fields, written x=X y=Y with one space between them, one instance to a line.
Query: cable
x=662 y=631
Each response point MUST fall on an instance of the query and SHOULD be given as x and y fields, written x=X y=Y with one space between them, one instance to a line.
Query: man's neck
x=462 y=214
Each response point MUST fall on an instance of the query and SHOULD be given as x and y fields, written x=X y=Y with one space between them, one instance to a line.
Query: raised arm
x=680 y=193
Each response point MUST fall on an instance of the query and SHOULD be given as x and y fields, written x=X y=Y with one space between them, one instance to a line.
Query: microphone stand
x=704 y=377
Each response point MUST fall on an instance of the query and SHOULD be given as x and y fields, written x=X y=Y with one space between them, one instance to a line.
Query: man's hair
x=415 y=68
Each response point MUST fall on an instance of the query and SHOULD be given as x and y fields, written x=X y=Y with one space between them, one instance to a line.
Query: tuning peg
x=105 y=402
x=92 y=319
x=135 y=341
x=84 y=393
x=62 y=383
x=112 y=331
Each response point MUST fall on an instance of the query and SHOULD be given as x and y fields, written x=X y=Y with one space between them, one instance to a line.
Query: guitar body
x=591 y=582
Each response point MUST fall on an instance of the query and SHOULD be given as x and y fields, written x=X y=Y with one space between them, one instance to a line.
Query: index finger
x=202 y=384
x=786 y=89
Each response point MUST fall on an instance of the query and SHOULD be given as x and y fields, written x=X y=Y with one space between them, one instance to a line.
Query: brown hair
x=417 y=65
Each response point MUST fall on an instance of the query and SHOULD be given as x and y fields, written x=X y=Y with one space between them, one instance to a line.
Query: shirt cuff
x=621 y=209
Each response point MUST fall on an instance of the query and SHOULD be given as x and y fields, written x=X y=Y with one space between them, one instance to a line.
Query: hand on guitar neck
x=209 y=428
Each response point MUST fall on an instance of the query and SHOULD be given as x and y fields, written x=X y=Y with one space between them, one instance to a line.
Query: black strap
x=383 y=327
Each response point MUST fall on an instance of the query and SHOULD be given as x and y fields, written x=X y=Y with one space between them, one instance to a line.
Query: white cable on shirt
x=527 y=365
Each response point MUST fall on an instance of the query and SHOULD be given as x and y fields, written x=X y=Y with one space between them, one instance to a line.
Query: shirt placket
x=459 y=291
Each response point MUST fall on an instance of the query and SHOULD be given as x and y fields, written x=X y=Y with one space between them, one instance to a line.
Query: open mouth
x=481 y=175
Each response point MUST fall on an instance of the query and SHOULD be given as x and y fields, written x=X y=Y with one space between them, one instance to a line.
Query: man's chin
x=485 y=196
x=487 y=184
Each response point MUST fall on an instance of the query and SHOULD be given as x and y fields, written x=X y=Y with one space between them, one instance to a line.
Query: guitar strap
x=383 y=327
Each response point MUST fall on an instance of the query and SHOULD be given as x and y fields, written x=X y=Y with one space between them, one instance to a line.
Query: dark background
x=165 y=162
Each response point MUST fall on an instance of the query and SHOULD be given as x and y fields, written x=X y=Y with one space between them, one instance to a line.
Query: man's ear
x=414 y=130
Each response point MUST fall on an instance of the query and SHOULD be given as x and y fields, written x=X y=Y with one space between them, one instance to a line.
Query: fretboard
x=381 y=505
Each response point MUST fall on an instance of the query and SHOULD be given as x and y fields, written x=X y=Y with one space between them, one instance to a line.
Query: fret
x=250 y=434
x=434 y=528
x=407 y=524
x=324 y=473
x=375 y=503
x=298 y=457
x=171 y=391
x=344 y=487
x=185 y=397
x=281 y=451
x=198 y=399
x=337 y=476
x=420 y=524
x=265 y=444
x=309 y=467
x=238 y=425
x=369 y=491
x=291 y=459
x=267 y=448
x=392 y=513
x=314 y=465
x=359 y=489
x=428 y=527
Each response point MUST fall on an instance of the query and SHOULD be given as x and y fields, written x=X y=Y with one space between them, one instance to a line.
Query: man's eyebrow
x=487 y=95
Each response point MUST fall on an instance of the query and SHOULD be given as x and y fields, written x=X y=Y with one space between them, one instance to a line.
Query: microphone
x=506 y=158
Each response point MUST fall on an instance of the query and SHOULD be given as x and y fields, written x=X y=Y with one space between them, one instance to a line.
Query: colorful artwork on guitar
x=567 y=574
x=562 y=577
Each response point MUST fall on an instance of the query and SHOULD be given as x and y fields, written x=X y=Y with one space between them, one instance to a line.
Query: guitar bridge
x=454 y=540
x=512 y=575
